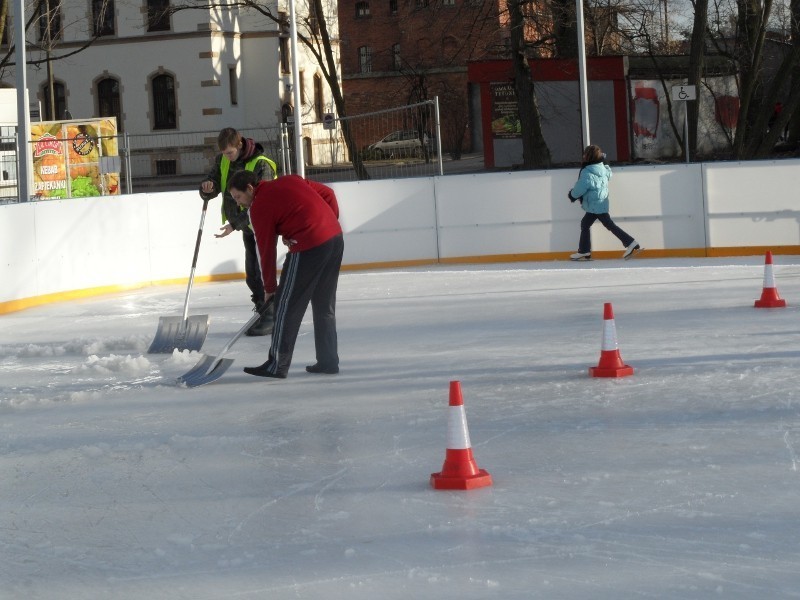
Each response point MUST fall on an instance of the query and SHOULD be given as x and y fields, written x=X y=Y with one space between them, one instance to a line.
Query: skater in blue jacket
x=592 y=190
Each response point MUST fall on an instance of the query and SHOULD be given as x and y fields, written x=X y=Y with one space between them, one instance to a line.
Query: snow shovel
x=183 y=333
x=211 y=368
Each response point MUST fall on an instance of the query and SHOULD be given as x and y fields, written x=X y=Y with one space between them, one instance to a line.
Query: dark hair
x=593 y=154
x=228 y=137
x=241 y=179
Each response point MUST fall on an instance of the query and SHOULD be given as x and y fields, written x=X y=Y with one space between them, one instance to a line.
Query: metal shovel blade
x=174 y=333
x=207 y=370
x=211 y=368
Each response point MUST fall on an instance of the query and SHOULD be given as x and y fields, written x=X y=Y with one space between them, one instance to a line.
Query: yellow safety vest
x=250 y=165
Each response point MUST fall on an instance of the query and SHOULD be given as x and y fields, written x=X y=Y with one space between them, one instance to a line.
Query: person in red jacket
x=306 y=214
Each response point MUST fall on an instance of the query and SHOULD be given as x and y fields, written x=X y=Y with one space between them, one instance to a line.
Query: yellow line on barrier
x=24 y=303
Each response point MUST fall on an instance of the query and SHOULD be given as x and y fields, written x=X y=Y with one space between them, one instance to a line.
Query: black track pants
x=309 y=276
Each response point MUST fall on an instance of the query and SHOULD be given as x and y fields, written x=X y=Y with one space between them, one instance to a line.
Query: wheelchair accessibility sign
x=684 y=92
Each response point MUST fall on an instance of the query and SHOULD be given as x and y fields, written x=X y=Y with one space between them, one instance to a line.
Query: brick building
x=396 y=52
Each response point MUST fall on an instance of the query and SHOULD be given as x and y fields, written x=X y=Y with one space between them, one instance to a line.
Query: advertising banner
x=75 y=158
x=505 y=112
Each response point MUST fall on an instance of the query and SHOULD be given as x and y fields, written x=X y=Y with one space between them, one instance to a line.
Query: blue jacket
x=592 y=187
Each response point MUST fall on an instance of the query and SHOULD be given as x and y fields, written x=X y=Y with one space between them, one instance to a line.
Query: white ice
x=680 y=481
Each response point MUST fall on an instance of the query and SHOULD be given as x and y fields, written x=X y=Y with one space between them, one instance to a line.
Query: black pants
x=252 y=270
x=309 y=276
x=585 y=244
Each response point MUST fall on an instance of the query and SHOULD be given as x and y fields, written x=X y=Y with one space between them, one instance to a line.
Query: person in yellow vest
x=238 y=153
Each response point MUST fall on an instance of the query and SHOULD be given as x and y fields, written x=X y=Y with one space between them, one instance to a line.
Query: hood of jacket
x=250 y=148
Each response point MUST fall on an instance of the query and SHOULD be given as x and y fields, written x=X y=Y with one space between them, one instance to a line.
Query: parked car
x=399 y=144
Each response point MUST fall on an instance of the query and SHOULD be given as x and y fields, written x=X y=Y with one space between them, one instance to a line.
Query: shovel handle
x=194 y=263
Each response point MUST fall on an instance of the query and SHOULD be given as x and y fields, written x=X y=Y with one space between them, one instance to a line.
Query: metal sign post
x=685 y=93
x=24 y=166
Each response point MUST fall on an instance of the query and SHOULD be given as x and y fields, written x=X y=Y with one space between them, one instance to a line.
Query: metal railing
x=394 y=143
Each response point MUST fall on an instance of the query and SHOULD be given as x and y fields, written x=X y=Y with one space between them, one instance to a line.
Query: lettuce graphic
x=83 y=187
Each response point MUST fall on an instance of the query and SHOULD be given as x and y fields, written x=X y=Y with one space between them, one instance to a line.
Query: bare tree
x=535 y=153
x=697 y=52
x=313 y=33
x=47 y=14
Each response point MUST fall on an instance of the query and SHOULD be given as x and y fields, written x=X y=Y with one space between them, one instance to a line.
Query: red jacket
x=297 y=209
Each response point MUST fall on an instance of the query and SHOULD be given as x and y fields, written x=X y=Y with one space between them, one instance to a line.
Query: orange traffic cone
x=769 y=295
x=610 y=364
x=460 y=472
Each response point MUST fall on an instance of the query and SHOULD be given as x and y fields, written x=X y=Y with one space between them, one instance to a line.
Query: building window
x=165 y=114
x=286 y=112
x=301 y=78
x=49 y=20
x=158 y=15
x=362 y=10
x=108 y=100
x=448 y=2
x=4 y=40
x=396 y=62
x=166 y=167
x=60 y=99
x=422 y=3
x=103 y=17
x=393 y=7
x=318 y=97
x=283 y=50
x=233 y=84
x=365 y=59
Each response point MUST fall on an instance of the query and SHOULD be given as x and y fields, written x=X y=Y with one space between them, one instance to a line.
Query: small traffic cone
x=769 y=295
x=459 y=472
x=610 y=364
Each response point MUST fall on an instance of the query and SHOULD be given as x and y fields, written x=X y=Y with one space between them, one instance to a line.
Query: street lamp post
x=24 y=174
x=582 y=73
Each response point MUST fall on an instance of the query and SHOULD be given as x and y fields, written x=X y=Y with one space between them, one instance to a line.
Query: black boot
x=266 y=323
x=263 y=371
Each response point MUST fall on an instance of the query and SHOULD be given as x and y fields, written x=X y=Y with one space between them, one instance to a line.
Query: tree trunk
x=794 y=116
x=535 y=153
x=696 y=68
x=328 y=64
x=752 y=22
x=761 y=146
x=565 y=28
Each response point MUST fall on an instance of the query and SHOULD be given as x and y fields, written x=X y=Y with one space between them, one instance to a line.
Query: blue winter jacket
x=592 y=188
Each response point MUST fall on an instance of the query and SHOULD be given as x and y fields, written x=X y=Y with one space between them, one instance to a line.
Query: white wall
x=60 y=246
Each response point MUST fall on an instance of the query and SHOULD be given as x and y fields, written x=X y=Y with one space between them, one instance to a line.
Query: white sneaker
x=633 y=248
x=581 y=256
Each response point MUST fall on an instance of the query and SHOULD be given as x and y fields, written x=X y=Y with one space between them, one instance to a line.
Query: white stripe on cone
x=609 y=335
x=457 y=432
x=769 y=276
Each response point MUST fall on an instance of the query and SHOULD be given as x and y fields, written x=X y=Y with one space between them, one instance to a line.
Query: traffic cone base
x=482 y=479
x=460 y=472
x=622 y=371
x=770 y=299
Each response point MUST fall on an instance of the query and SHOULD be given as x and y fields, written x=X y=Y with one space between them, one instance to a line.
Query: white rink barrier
x=61 y=249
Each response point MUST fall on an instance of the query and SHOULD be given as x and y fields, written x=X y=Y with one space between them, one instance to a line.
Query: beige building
x=162 y=72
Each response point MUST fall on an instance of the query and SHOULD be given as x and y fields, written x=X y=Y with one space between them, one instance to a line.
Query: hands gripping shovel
x=183 y=333
x=211 y=368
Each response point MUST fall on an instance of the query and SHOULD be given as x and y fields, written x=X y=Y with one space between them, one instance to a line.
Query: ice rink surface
x=678 y=482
